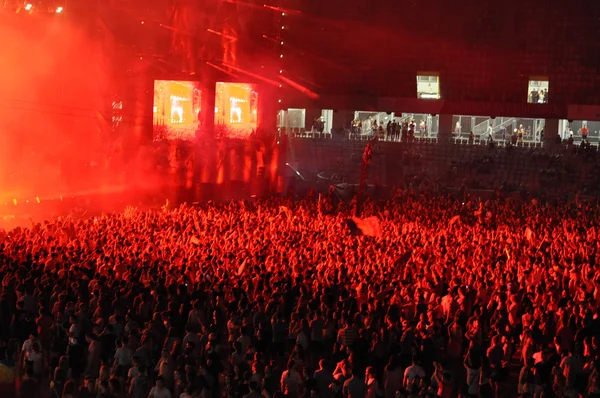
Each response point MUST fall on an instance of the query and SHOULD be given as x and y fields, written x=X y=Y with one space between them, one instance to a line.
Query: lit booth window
x=292 y=121
x=537 y=92
x=580 y=130
x=327 y=120
x=321 y=123
x=428 y=85
x=425 y=125
x=368 y=124
x=500 y=130
x=391 y=126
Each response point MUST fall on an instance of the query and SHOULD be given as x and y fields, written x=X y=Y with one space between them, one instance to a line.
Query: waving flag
x=367 y=226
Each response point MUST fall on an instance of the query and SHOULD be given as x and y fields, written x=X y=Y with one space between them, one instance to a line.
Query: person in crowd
x=456 y=296
x=371 y=383
x=160 y=390
x=29 y=386
x=355 y=386
x=291 y=381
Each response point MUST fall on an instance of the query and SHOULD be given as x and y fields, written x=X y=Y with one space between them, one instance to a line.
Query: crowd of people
x=275 y=298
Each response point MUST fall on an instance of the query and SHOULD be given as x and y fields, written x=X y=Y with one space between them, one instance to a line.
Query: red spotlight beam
x=267 y=6
x=310 y=94
x=281 y=9
x=169 y=27
x=254 y=75
x=271 y=39
x=217 y=67
x=184 y=32
x=232 y=38
x=291 y=12
x=309 y=82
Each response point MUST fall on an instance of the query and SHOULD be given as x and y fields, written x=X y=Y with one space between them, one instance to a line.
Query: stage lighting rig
x=20 y=5
x=31 y=6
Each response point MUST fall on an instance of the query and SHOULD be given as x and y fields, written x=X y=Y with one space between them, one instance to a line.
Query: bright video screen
x=236 y=109
x=177 y=105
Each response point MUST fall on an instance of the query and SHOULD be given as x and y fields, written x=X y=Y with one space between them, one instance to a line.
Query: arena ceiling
x=481 y=50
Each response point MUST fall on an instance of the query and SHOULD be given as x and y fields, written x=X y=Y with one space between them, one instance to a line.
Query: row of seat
x=527 y=164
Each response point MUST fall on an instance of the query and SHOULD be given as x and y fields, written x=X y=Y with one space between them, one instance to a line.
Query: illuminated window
x=428 y=85
x=327 y=120
x=537 y=92
x=296 y=118
x=292 y=119
x=367 y=123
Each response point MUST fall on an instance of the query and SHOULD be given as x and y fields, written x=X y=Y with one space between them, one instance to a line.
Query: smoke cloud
x=50 y=90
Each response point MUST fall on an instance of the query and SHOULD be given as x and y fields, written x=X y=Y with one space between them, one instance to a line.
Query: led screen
x=236 y=109
x=177 y=105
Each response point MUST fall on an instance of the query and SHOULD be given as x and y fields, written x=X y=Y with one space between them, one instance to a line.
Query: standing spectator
x=348 y=334
x=291 y=381
x=29 y=386
x=94 y=356
x=371 y=383
x=413 y=374
x=354 y=387
x=159 y=390
x=324 y=379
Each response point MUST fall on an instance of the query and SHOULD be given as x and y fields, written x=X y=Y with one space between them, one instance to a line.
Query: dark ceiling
x=482 y=50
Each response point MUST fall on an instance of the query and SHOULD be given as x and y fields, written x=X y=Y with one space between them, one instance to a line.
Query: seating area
x=593 y=138
x=303 y=133
x=524 y=166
